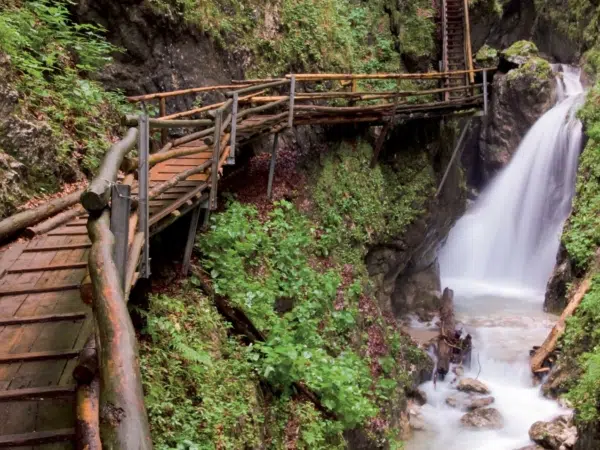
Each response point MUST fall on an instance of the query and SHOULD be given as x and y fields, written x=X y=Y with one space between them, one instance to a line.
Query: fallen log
x=123 y=419
x=24 y=219
x=54 y=222
x=446 y=339
x=97 y=195
x=87 y=424
x=547 y=348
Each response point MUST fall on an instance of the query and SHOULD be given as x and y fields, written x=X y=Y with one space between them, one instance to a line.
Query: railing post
x=143 y=175
x=292 y=98
x=120 y=206
x=234 y=111
x=162 y=113
x=214 y=174
x=272 y=166
x=485 y=93
x=189 y=245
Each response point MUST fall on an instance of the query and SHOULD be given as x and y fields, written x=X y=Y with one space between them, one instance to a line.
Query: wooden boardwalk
x=44 y=323
x=44 y=319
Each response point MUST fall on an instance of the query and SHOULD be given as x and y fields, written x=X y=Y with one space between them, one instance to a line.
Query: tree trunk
x=55 y=222
x=87 y=425
x=447 y=333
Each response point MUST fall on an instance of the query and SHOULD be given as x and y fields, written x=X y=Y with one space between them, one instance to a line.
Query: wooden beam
x=38 y=290
x=191 y=238
x=139 y=98
x=49 y=267
x=37 y=438
x=37 y=392
x=56 y=221
x=37 y=356
x=42 y=318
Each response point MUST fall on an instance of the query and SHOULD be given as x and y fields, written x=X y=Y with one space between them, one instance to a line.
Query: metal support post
x=214 y=174
x=485 y=93
x=189 y=245
x=234 y=111
x=292 y=98
x=272 y=166
x=143 y=176
x=120 y=205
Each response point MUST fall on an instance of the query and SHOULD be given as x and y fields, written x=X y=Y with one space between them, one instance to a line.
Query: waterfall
x=507 y=241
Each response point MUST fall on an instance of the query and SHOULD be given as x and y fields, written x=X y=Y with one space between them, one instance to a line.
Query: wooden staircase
x=456 y=53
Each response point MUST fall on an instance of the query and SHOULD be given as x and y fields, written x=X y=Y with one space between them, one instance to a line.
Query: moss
x=536 y=70
x=487 y=56
x=523 y=49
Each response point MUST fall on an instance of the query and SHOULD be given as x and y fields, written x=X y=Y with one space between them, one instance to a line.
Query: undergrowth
x=52 y=58
x=310 y=35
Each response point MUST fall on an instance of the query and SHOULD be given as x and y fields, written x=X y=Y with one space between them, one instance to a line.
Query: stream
x=497 y=259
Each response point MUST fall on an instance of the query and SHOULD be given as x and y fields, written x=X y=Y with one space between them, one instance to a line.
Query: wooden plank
x=49 y=267
x=37 y=438
x=168 y=176
x=68 y=232
x=37 y=392
x=43 y=319
x=37 y=356
x=38 y=290
x=50 y=248
x=175 y=205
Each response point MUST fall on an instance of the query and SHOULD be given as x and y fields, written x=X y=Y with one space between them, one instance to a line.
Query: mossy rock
x=537 y=69
x=520 y=52
x=487 y=57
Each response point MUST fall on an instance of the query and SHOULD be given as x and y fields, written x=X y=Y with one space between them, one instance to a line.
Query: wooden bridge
x=69 y=372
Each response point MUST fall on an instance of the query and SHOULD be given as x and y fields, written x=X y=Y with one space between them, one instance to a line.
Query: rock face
x=523 y=90
x=405 y=270
x=473 y=386
x=556 y=291
x=484 y=418
x=557 y=434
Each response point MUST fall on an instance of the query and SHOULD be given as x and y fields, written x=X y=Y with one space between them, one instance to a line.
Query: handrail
x=384 y=76
x=141 y=98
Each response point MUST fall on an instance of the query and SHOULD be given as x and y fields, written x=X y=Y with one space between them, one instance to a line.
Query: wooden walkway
x=44 y=319
x=44 y=323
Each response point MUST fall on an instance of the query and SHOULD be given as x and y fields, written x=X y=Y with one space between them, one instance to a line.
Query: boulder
x=559 y=433
x=531 y=447
x=480 y=402
x=419 y=293
x=453 y=401
x=483 y=418
x=473 y=386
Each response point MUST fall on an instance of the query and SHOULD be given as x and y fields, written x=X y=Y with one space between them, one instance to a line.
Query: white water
x=497 y=259
x=507 y=242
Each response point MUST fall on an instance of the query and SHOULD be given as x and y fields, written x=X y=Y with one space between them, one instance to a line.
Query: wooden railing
x=119 y=225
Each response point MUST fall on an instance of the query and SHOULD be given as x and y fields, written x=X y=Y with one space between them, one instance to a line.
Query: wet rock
x=453 y=401
x=472 y=385
x=419 y=396
x=523 y=90
x=415 y=418
x=480 y=402
x=459 y=371
x=555 y=299
x=484 y=418
x=419 y=293
x=559 y=433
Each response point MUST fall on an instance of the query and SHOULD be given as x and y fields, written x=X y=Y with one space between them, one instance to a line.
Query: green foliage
x=52 y=57
x=313 y=35
x=258 y=266
x=582 y=232
x=359 y=206
x=582 y=343
x=198 y=386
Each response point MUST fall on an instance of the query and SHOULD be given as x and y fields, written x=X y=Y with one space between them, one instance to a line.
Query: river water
x=497 y=259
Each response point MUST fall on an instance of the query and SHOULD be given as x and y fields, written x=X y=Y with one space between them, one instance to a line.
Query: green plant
x=52 y=57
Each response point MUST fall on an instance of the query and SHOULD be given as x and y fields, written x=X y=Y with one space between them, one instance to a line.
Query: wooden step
x=38 y=290
x=53 y=248
x=67 y=266
x=37 y=438
x=38 y=392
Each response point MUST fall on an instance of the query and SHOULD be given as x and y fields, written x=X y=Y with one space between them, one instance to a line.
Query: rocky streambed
x=494 y=404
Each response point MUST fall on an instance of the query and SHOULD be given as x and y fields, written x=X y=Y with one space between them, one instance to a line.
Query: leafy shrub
x=53 y=56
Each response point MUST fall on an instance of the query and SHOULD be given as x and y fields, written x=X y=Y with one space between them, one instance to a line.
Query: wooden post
x=87 y=425
x=233 y=136
x=444 y=68
x=119 y=225
x=214 y=175
x=143 y=210
x=272 y=167
x=164 y=134
x=189 y=245
x=292 y=100
x=485 y=93
x=469 y=53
